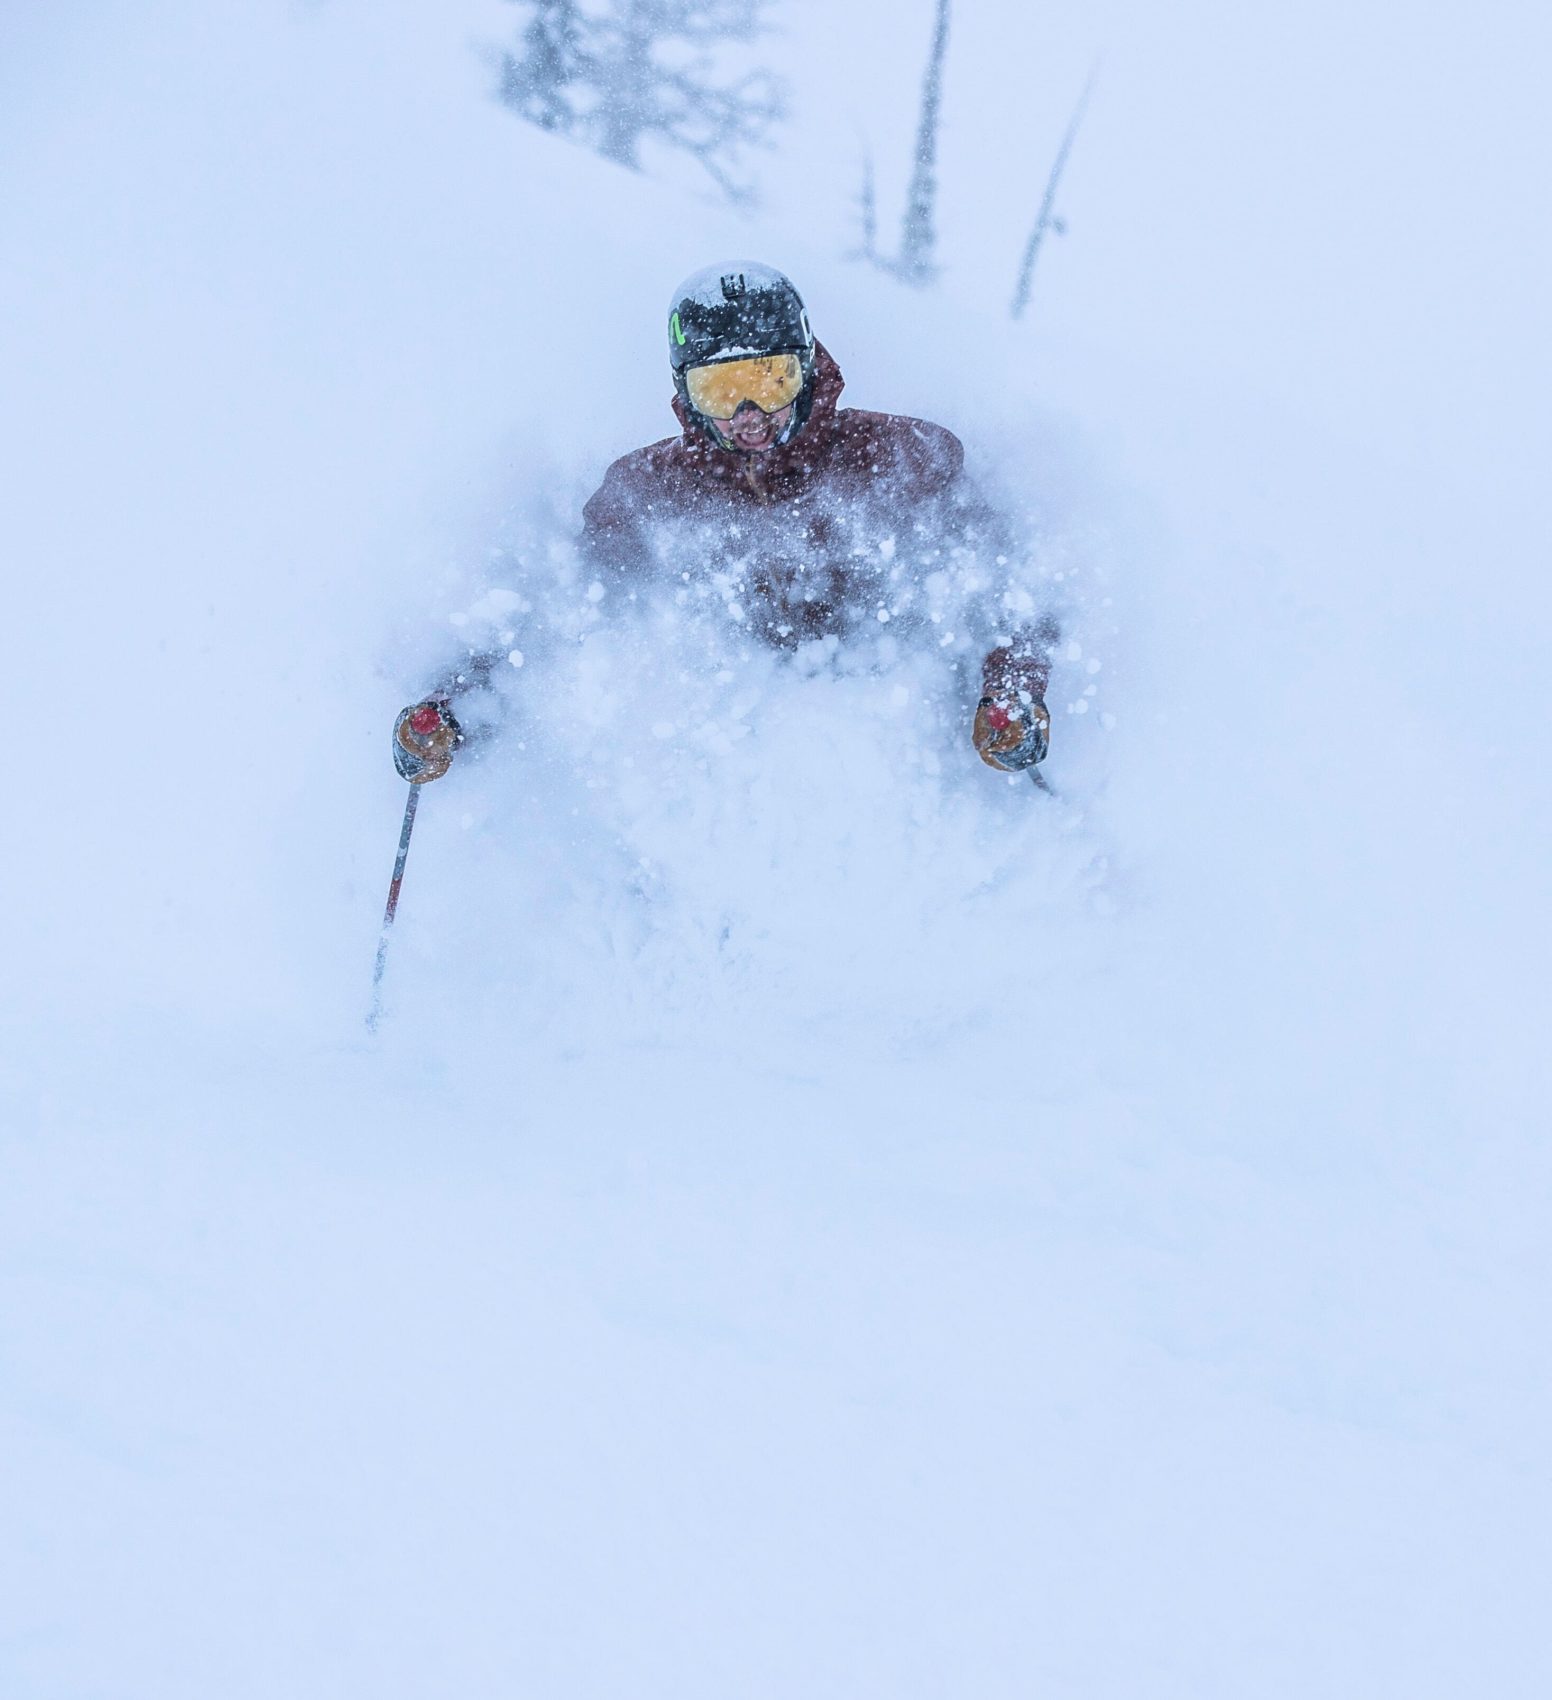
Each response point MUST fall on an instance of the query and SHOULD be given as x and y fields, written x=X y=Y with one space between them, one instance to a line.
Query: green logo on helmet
x=679 y=336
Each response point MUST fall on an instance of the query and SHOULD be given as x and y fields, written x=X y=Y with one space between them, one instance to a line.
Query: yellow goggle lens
x=772 y=382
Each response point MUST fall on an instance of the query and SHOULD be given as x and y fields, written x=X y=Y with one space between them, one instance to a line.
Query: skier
x=770 y=473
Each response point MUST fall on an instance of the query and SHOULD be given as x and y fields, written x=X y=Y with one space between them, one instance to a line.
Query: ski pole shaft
x=393 y=904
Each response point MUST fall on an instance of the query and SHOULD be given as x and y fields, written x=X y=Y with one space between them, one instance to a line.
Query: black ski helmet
x=739 y=311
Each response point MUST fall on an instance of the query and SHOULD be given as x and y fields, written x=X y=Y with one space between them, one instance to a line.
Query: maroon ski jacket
x=842 y=525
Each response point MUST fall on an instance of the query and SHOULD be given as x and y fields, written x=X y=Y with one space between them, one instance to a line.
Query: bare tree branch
x=1045 y=219
x=616 y=78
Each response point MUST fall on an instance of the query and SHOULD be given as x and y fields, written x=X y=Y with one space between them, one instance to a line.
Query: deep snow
x=818 y=1217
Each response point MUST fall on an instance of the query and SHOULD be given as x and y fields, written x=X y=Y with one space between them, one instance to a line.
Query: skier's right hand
x=424 y=738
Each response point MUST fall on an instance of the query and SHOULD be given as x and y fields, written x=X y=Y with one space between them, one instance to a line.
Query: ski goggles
x=772 y=382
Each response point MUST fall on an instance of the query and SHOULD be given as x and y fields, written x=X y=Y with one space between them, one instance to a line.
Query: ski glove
x=424 y=738
x=1010 y=733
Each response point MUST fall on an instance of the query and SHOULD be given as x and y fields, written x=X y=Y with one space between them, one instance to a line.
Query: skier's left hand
x=1011 y=734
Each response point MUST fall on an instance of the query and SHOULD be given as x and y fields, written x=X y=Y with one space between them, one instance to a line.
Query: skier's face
x=752 y=432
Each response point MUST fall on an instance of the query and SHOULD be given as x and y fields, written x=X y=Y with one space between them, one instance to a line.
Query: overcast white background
x=924 y=1240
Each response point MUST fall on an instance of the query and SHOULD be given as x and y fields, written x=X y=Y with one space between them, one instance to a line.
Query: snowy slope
x=818 y=1218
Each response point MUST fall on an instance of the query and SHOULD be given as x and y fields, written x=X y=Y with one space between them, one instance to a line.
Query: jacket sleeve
x=969 y=520
x=612 y=540
x=1024 y=664
x=934 y=459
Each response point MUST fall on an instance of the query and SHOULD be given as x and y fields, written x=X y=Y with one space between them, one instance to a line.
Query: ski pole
x=393 y=903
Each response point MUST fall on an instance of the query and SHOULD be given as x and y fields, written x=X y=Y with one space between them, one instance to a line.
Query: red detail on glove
x=998 y=718
x=425 y=721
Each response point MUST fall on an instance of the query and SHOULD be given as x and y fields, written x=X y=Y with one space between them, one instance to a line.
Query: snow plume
x=850 y=567
x=747 y=816
x=745 y=809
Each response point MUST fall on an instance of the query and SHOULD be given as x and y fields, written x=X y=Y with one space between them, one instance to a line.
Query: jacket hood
x=828 y=384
